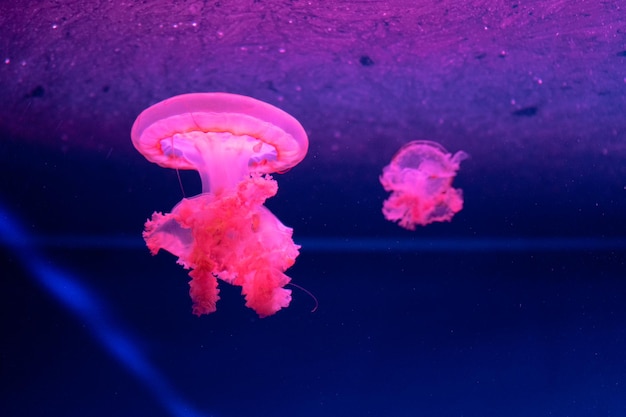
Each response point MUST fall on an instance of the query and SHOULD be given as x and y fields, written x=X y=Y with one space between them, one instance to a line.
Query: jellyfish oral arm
x=233 y=238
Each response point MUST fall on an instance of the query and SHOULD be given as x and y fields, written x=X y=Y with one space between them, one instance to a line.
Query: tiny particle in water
x=282 y=50
x=7 y=60
x=366 y=61
x=271 y=86
x=54 y=26
x=525 y=111
x=36 y=92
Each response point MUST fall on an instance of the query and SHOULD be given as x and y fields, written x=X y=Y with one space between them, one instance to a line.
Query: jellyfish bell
x=234 y=142
x=222 y=136
x=426 y=153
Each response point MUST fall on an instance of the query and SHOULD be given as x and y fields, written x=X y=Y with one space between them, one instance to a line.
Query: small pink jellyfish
x=234 y=142
x=420 y=180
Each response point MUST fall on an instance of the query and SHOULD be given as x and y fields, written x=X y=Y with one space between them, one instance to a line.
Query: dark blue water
x=458 y=319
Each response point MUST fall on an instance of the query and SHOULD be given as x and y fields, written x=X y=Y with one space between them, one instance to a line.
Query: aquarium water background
x=517 y=307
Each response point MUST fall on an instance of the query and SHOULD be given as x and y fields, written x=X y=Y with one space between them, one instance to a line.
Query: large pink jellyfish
x=420 y=180
x=234 y=142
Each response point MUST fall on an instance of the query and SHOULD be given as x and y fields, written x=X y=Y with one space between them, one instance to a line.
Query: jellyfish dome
x=234 y=142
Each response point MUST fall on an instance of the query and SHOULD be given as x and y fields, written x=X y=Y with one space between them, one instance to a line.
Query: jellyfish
x=234 y=142
x=420 y=180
